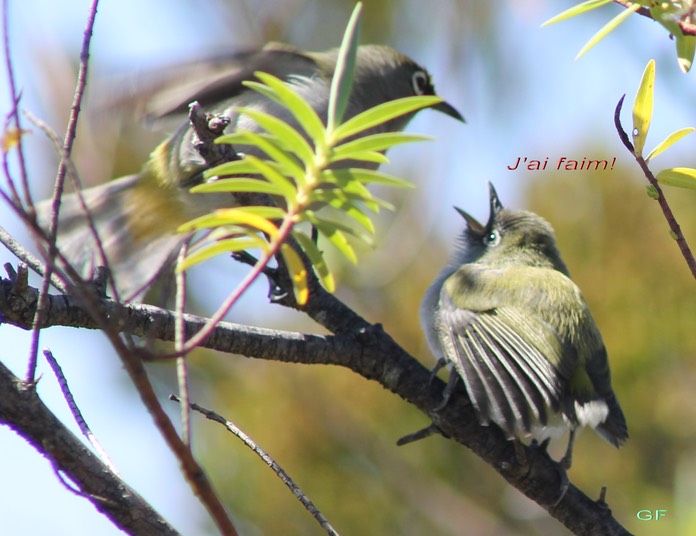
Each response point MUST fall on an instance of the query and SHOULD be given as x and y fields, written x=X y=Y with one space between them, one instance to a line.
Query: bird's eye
x=492 y=238
x=422 y=84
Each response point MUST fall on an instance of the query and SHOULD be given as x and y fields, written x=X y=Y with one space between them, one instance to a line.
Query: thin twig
x=102 y=259
x=75 y=410
x=23 y=411
x=26 y=257
x=268 y=460
x=14 y=116
x=70 y=133
x=179 y=340
x=674 y=226
x=273 y=248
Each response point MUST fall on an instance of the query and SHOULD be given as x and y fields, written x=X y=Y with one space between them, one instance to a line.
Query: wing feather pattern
x=507 y=377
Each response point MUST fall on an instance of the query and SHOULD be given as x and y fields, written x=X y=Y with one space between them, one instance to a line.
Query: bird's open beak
x=448 y=109
x=471 y=222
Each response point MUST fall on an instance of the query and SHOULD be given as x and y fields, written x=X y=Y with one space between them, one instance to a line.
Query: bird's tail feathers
x=614 y=428
x=133 y=263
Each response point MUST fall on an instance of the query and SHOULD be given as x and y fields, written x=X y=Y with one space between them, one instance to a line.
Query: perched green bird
x=516 y=329
x=136 y=216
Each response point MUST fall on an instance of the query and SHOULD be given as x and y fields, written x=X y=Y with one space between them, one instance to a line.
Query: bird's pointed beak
x=496 y=205
x=447 y=109
x=471 y=222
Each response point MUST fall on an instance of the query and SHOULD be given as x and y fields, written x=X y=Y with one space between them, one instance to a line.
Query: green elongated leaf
x=377 y=142
x=306 y=117
x=608 y=28
x=686 y=46
x=228 y=245
x=367 y=176
x=297 y=272
x=338 y=240
x=381 y=114
x=362 y=156
x=334 y=198
x=317 y=259
x=294 y=141
x=236 y=167
x=285 y=162
x=679 y=177
x=238 y=185
x=232 y=216
x=643 y=108
x=669 y=141
x=355 y=191
x=342 y=80
x=288 y=188
x=346 y=205
x=353 y=211
x=245 y=138
x=584 y=7
x=269 y=213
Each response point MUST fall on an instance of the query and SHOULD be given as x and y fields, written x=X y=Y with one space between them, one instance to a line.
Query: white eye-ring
x=421 y=83
x=492 y=238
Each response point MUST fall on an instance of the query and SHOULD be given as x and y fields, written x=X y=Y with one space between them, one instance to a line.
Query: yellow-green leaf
x=283 y=94
x=269 y=144
x=381 y=114
x=584 y=7
x=368 y=176
x=274 y=177
x=228 y=245
x=317 y=258
x=669 y=141
x=679 y=177
x=668 y=15
x=280 y=129
x=342 y=80
x=608 y=28
x=238 y=184
x=234 y=168
x=376 y=142
x=362 y=156
x=686 y=46
x=643 y=108
x=231 y=216
x=298 y=273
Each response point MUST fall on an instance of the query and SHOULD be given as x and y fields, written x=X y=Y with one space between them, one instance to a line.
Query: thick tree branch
x=368 y=351
x=23 y=411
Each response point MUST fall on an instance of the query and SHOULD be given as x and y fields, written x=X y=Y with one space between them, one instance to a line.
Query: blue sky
x=543 y=114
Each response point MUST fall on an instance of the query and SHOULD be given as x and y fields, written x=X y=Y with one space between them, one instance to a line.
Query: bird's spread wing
x=211 y=80
x=225 y=76
x=508 y=376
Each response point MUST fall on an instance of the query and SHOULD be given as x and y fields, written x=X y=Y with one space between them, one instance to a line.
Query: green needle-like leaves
x=574 y=11
x=308 y=174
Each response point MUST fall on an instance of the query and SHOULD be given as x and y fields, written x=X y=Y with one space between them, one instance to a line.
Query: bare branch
x=23 y=411
x=268 y=460
x=373 y=354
